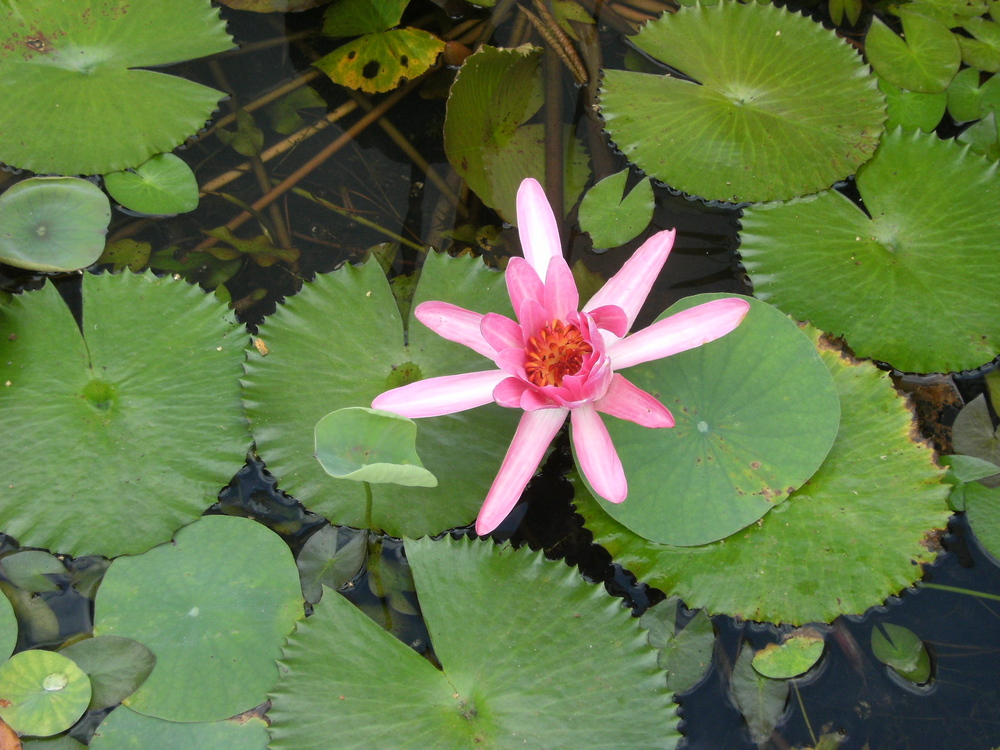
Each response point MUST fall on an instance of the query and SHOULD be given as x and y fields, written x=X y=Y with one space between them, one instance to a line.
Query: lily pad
x=145 y=402
x=685 y=652
x=795 y=655
x=349 y=367
x=77 y=100
x=27 y=570
x=967 y=100
x=8 y=628
x=611 y=219
x=42 y=693
x=163 y=185
x=342 y=675
x=116 y=667
x=382 y=61
x=854 y=534
x=331 y=557
x=975 y=435
x=772 y=104
x=902 y=650
x=910 y=109
x=924 y=59
x=227 y=594
x=124 y=729
x=53 y=223
x=756 y=413
x=879 y=281
x=354 y=17
x=760 y=699
x=983 y=507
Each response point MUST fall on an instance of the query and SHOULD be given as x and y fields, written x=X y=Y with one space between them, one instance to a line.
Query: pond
x=228 y=231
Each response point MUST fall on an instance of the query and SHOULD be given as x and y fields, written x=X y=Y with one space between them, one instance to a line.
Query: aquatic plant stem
x=957 y=590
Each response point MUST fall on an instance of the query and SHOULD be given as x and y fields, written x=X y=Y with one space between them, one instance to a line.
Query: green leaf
x=901 y=649
x=974 y=435
x=777 y=106
x=756 y=413
x=283 y=114
x=983 y=52
x=42 y=693
x=909 y=109
x=53 y=223
x=116 y=667
x=967 y=100
x=355 y=17
x=612 y=220
x=462 y=450
x=925 y=59
x=27 y=570
x=839 y=8
x=228 y=594
x=382 y=61
x=163 y=185
x=77 y=99
x=760 y=699
x=62 y=742
x=854 y=534
x=914 y=284
x=8 y=628
x=124 y=729
x=948 y=13
x=147 y=399
x=795 y=655
x=331 y=557
x=247 y=139
x=685 y=653
x=342 y=675
x=982 y=137
x=982 y=504
x=969 y=468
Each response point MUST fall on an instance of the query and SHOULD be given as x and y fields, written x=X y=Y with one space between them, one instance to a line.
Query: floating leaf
x=612 y=220
x=854 y=534
x=116 y=667
x=380 y=62
x=42 y=693
x=760 y=699
x=797 y=653
x=878 y=281
x=909 y=109
x=777 y=106
x=974 y=435
x=982 y=137
x=8 y=628
x=756 y=413
x=163 y=185
x=342 y=675
x=352 y=365
x=61 y=742
x=124 y=729
x=982 y=504
x=228 y=593
x=126 y=253
x=146 y=399
x=967 y=100
x=685 y=653
x=331 y=557
x=27 y=570
x=77 y=98
x=982 y=52
x=901 y=649
x=925 y=59
x=53 y=223
x=354 y=17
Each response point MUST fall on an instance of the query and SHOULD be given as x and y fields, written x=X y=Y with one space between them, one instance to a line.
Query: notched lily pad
x=611 y=218
x=902 y=650
x=164 y=185
x=924 y=59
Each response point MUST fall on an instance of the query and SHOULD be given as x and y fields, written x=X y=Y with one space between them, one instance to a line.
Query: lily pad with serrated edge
x=914 y=285
x=778 y=105
x=611 y=219
x=342 y=675
x=53 y=224
x=163 y=185
x=756 y=412
x=137 y=421
x=124 y=729
x=77 y=100
x=924 y=59
x=42 y=693
x=349 y=366
x=227 y=595
x=382 y=61
x=856 y=533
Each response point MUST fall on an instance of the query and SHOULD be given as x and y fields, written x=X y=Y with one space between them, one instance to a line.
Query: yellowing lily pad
x=382 y=61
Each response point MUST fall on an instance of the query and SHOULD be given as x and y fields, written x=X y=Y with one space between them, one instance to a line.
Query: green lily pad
x=795 y=655
x=685 y=652
x=27 y=570
x=974 y=435
x=368 y=445
x=62 y=742
x=924 y=59
x=227 y=593
x=983 y=51
x=331 y=557
x=902 y=650
x=116 y=667
x=854 y=534
x=8 y=628
x=612 y=220
x=77 y=100
x=355 y=17
x=382 y=61
x=910 y=109
x=147 y=399
x=983 y=507
x=777 y=106
x=163 y=185
x=914 y=285
x=982 y=137
x=53 y=223
x=967 y=100
x=124 y=729
x=498 y=686
x=756 y=413
x=351 y=366
x=760 y=699
x=42 y=693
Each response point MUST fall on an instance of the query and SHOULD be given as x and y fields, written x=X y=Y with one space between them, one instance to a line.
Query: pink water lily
x=557 y=360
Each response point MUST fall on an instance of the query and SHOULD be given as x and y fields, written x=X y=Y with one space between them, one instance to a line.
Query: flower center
x=557 y=351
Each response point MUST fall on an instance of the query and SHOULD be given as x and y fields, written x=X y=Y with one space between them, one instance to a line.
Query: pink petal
x=532 y=439
x=455 y=324
x=537 y=227
x=597 y=455
x=523 y=283
x=508 y=392
x=685 y=330
x=444 y=395
x=625 y=401
x=561 y=296
x=501 y=332
x=511 y=361
x=629 y=287
x=611 y=318
x=533 y=318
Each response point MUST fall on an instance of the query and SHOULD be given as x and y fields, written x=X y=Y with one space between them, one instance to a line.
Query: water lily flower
x=557 y=360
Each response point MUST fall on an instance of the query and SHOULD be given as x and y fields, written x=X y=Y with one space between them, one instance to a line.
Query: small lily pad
x=124 y=729
x=795 y=655
x=330 y=558
x=760 y=699
x=967 y=100
x=910 y=109
x=685 y=652
x=924 y=59
x=116 y=667
x=982 y=504
x=53 y=224
x=163 y=185
x=902 y=650
x=974 y=435
x=42 y=693
x=27 y=570
x=382 y=61
x=611 y=219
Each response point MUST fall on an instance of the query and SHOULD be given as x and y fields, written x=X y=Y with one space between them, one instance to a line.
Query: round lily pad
x=915 y=284
x=53 y=223
x=145 y=404
x=612 y=220
x=42 y=693
x=349 y=366
x=854 y=534
x=125 y=729
x=214 y=607
x=771 y=105
x=545 y=658
x=757 y=412
x=77 y=100
x=163 y=185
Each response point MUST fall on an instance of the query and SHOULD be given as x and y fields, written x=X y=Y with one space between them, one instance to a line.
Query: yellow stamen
x=557 y=351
